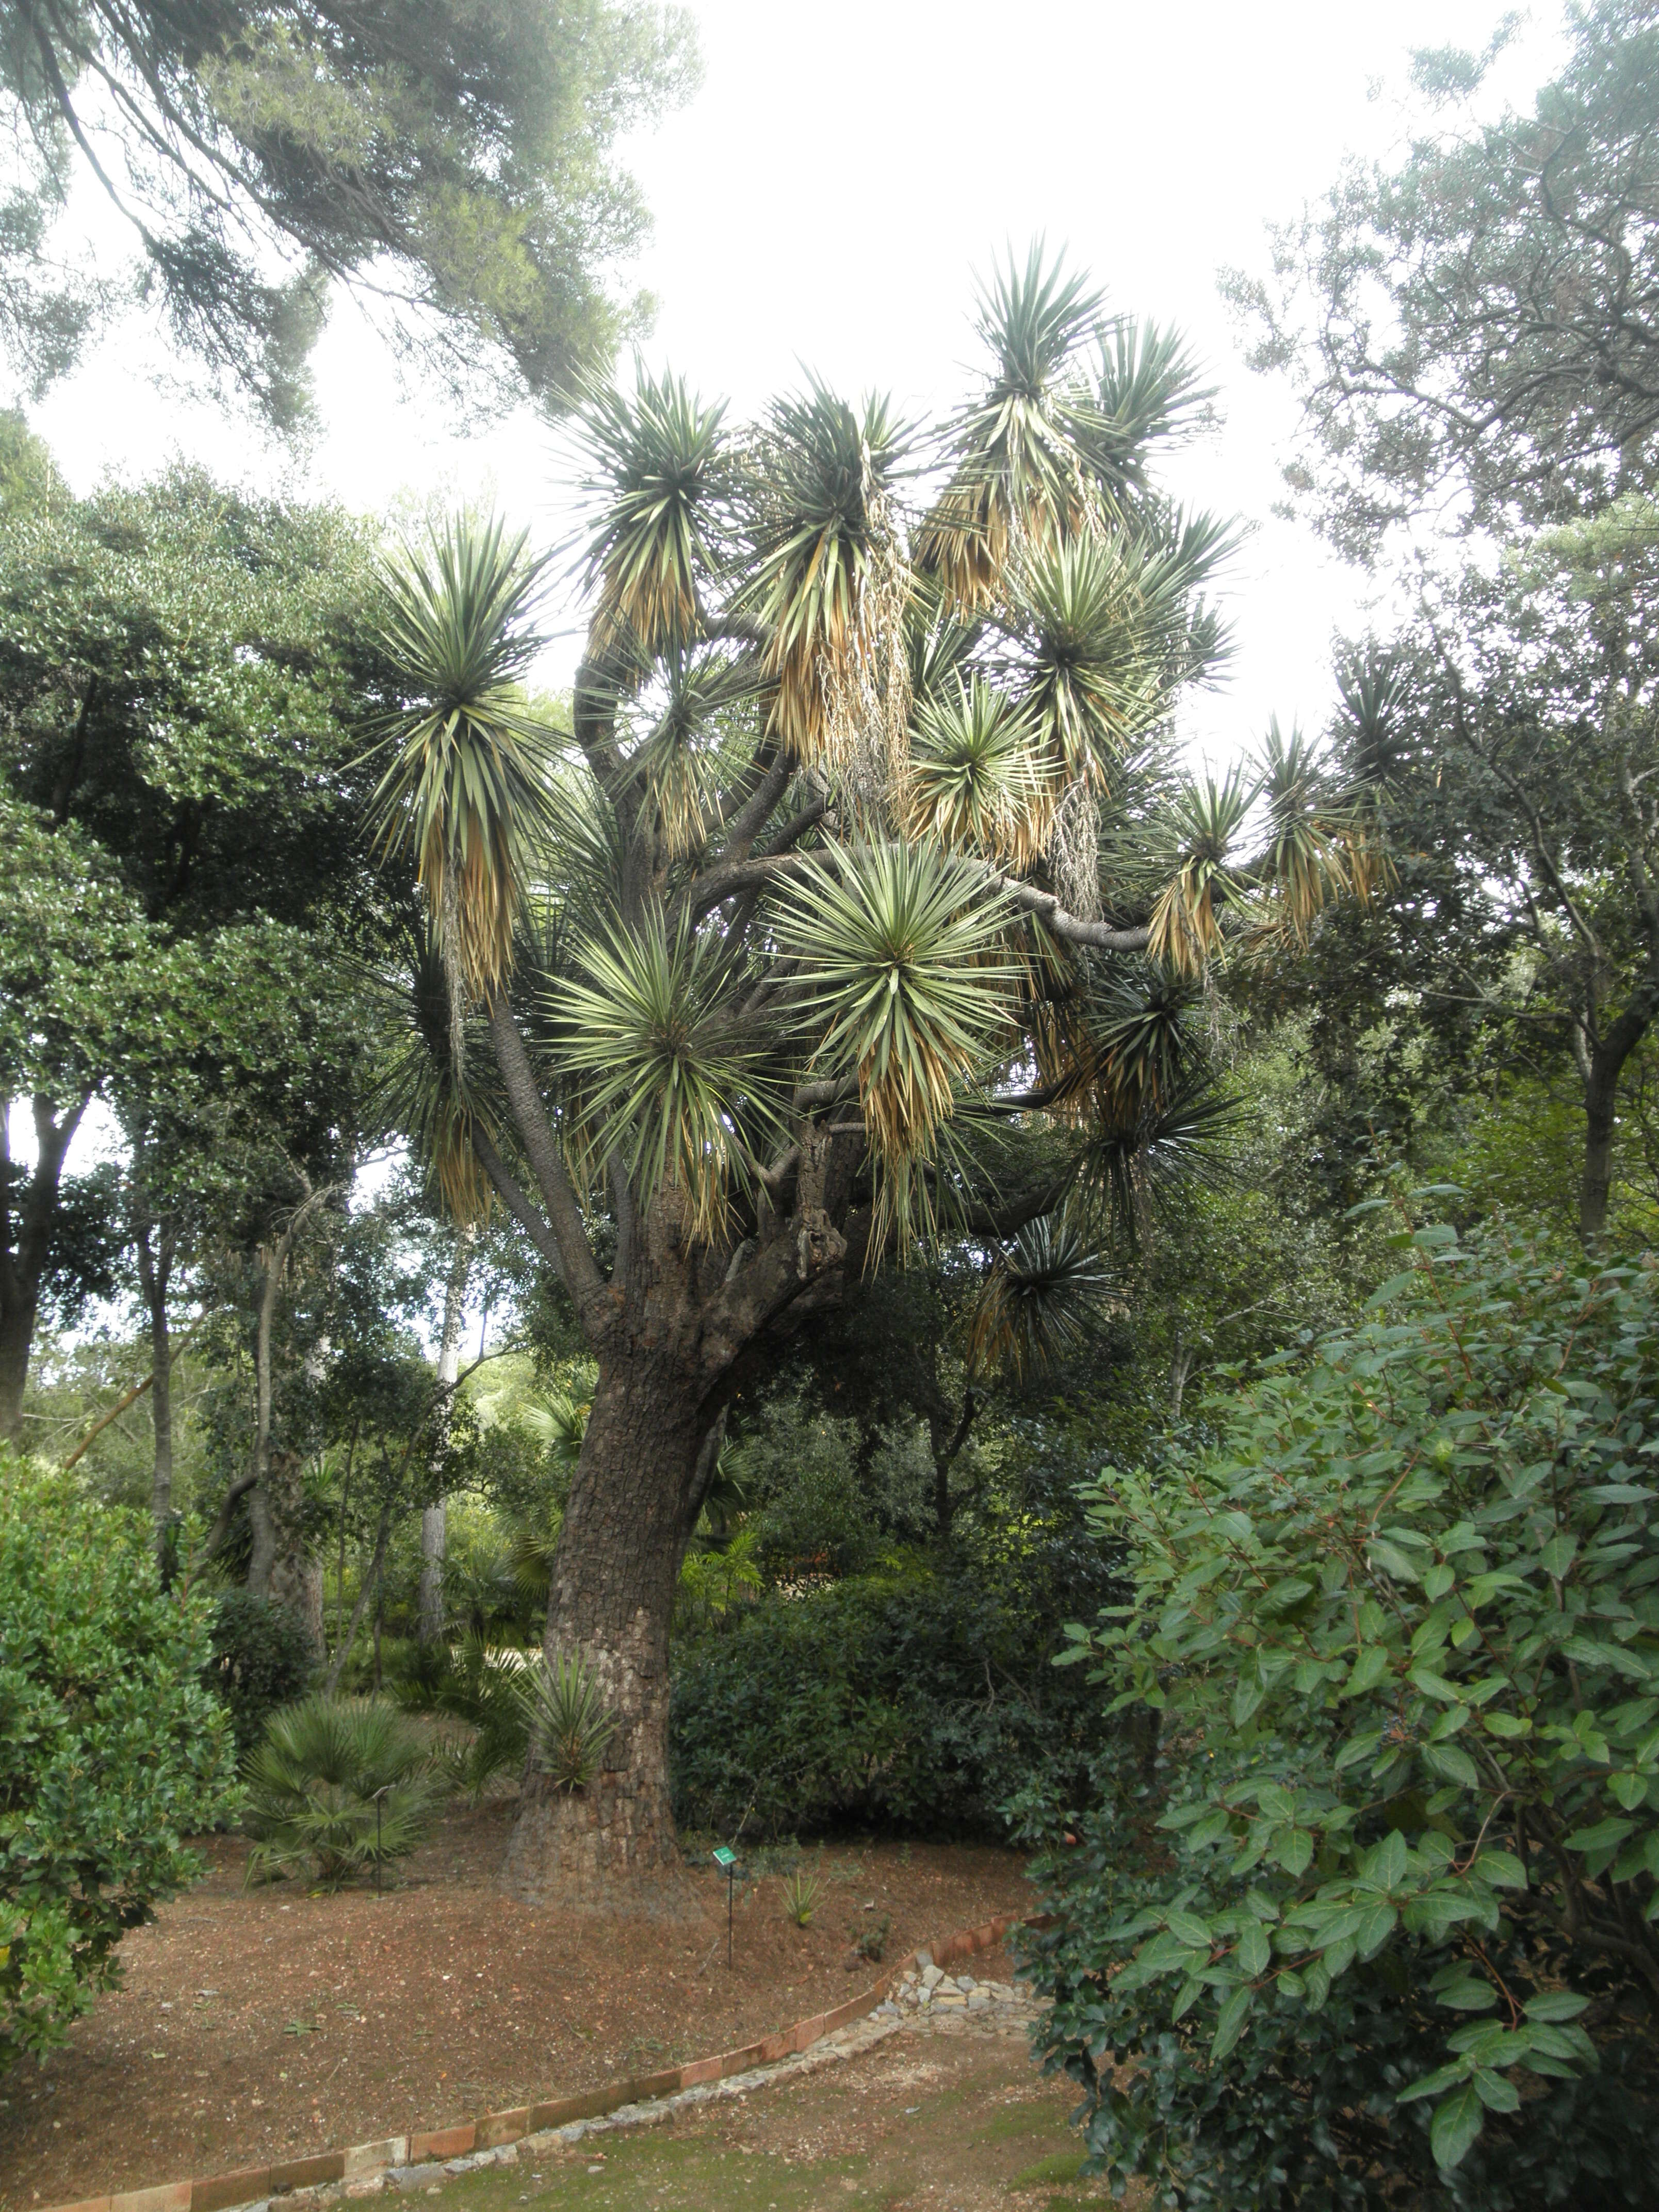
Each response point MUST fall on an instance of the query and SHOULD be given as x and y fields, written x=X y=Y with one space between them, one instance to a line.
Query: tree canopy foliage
x=1473 y=330
x=454 y=165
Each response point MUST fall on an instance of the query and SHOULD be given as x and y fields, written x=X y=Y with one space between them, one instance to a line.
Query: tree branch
x=578 y=1270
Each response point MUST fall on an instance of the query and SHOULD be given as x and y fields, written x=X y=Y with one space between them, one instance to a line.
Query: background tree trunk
x=433 y=1620
x=633 y=1501
x=282 y=1568
x=26 y=1231
x=155 y=1272
x=1606 y=1056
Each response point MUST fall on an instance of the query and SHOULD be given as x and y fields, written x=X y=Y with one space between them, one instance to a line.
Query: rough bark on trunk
x=634 y=1502
x=282 y=1568
x=16 y=1336
x=433 y=1619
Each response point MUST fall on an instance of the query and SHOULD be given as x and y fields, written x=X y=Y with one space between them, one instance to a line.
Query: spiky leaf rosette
x=1133 y=1162
x=974 y=782
x=425 y=1090
x=827 y=582
x=897 y=952
x=1039 y=1303
x=1115 y=1044
x=1017 y=477
x=1195 y=840
x=1108 y=619
x=1147 y=396
x=659 y=474
x=1140 y=1027
x=563 y=1708
x=662 y=1076
x=1371 y=686
x=467 y=786
x=1305 y=862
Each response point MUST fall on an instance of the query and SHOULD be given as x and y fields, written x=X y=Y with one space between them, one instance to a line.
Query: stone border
x=251 y=2184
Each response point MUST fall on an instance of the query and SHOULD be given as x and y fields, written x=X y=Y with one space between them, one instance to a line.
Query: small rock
x=931 y=1977
x=967 y=1984
x=978 y=2002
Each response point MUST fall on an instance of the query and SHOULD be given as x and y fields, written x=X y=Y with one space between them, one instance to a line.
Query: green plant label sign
x=725 y=1858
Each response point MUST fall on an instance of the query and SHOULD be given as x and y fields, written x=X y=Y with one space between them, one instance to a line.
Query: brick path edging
x=249 y=2184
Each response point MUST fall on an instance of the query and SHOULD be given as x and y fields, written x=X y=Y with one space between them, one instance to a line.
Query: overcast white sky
x=828 y=196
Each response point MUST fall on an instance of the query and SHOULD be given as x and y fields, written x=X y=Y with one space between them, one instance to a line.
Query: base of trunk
x=608 y=1848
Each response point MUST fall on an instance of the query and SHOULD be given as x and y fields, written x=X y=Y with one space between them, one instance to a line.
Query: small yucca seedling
x=801 y=1894
x=569 y=1728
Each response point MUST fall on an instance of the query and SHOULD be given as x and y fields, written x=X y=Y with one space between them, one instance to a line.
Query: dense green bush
x=261 y=1658
x=481 y=1689
x=1393 y=1937
x=914 y=1699
x=338 y=1787
x=110 y=1749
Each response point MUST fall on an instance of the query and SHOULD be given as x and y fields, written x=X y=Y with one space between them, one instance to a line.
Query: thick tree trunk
x=16 y=1337
x=646 y=1457
x=1600 y=1127
x=433 y=1620
x=1602 y=1067
x=282 y=1568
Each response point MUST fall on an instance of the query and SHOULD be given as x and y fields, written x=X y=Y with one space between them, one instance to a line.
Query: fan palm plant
x=870 y=806
x=336 y=1788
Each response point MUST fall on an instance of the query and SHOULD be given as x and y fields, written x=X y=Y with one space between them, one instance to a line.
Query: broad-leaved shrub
x=916 y=1700
x=112 y=1750
x=1388 y=1934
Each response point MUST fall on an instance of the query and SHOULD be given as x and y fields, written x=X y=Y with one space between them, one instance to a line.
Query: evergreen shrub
x=112 y=1750
x=261 y=1658
x=1378 y=1926
x=338 y=1788
x=915 y=1700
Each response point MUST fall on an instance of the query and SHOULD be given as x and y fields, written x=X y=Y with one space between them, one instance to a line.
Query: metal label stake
x=728 y=1860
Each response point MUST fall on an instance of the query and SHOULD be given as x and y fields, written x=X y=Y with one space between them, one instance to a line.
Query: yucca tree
x=826 y=933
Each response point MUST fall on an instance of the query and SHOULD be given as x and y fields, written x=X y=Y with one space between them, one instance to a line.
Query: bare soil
x=272 y=2022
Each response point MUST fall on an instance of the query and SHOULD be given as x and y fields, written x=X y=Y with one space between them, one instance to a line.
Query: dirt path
x=925 y=2122
x=271 y=2023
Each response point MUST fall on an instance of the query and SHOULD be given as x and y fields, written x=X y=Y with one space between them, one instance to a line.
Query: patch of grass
x=1036 y=2118
x=1060 y=2166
